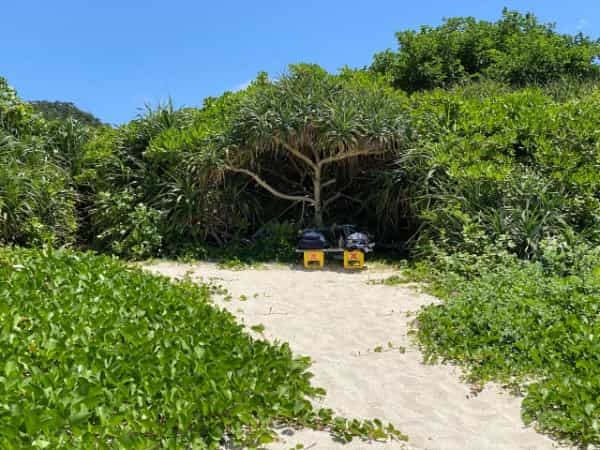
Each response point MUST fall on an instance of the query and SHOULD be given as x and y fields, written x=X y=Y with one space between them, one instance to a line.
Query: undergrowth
x=274 y=242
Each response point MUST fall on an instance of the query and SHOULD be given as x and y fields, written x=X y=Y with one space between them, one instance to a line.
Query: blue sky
x=111 y=57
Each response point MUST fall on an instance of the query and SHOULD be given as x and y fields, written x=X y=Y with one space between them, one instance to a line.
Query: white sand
x=338 y=319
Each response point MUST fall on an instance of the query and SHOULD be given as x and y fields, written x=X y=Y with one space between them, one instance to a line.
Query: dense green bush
x=16 y=116
x=98 y=354
x=129 y=229
x=306 y=136
x=274 y=242
x=37 y=206
x=38 y=203
x=513 y=167
x=163 y=161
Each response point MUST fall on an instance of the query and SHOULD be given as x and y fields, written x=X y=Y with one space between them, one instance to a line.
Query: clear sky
x=111 y=57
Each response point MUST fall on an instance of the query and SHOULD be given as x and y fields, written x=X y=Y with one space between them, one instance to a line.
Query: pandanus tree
x=310 y=126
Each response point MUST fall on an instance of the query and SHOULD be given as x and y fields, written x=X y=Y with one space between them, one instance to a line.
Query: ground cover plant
x=97 y=354
x=531 y=325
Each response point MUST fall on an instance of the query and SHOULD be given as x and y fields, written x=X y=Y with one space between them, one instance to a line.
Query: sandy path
x=338 y=319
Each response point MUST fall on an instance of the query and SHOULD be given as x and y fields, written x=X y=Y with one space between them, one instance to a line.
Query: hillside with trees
x=64 y=110
x=474 y=148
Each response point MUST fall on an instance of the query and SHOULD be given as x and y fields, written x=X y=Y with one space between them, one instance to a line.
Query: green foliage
x=177 y=162
x=487 y=163
x=16 y=117
x=130 y=229
x=309 y=107
x=273 y=242
x=215 y=117
x=163 y=161
x=516 y=49
x=37 y=205
x=67 y=139
x=63 y=111
x=489 y=169
x=304 y=136
x=513 y=168
x=516 y=166
x=528 y=325
x=97 y=354
x=38 y=200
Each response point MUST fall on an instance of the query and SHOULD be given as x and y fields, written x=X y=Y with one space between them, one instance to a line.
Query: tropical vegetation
x=473 y=150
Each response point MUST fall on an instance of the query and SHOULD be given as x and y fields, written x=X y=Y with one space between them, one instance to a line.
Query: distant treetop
x=64 y=110
x=516 y=49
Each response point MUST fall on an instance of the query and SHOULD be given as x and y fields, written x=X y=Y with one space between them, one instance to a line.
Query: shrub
x=515 y=168
x=126 y=227
x=274 y=242
x=37 y=205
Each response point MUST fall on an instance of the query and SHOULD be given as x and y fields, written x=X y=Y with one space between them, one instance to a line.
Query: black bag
x=358 y=241
x=312 y=240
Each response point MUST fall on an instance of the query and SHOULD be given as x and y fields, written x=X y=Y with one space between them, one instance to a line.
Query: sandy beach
x=357 y=333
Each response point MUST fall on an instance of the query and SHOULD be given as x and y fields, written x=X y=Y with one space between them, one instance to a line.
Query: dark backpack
x=358 y=241
x=312 y=240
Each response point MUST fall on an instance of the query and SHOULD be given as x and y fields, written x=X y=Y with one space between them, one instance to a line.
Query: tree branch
x=339 y=195
x=279 y=176
x=353 y=154
x=331 y=199
x=295 y=152
x=328 y=182
x=352 y=199
x=269 y=188
x=302 y=173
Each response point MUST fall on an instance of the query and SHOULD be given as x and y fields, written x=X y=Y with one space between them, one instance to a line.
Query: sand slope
x=339 y=319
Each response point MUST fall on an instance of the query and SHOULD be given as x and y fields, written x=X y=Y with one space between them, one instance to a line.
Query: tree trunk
x=318 y=205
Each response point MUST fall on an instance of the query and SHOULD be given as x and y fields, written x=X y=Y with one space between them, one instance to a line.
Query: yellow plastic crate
x=354 y=259
x=314 y=259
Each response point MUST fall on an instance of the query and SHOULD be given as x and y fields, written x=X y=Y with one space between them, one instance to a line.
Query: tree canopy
x=311 y=132
x=517 y=49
